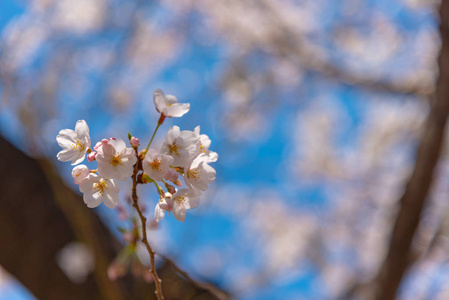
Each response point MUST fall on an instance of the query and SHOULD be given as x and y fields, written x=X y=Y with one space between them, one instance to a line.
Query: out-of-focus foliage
x=314 y=107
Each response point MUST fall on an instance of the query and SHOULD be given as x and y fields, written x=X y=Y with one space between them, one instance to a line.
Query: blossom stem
x=143 y=219
x=154 y=133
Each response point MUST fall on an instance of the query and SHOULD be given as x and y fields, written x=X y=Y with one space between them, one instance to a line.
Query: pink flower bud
x=99 y=144
x=91 y=156
x=135 y=142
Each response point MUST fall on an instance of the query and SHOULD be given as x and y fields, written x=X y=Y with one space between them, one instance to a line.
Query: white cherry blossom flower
x=183 y=200
x=74 y=143
x=183 y=146
x=97 y=189
x=164 y=205
x=79 y=173
x=156 y=165
x=115 y=160
x=204 y=146
x=199 y=175
x=168 y=105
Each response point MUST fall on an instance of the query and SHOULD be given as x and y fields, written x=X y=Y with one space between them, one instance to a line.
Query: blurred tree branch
x=412 y=202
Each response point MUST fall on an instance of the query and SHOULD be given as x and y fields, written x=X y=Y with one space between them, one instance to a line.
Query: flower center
x=181 y=200
x=174 y=149
x=156 y=164
x=194 y=173
x=100 y=186
x=115 y=160
x=78 y=146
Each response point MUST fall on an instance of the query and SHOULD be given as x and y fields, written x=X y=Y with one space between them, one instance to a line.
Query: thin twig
x=143 y=219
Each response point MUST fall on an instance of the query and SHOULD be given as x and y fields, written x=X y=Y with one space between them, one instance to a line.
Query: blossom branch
x=143 y=219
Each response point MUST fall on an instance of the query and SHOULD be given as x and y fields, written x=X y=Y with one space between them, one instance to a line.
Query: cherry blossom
x=164 y=205
x=168 y=105
x=79 y=173
x=183 y=200
x=156 y=165
x=74 y=143
x=97 y=189
x=205 y=144
x=115 y=160
x=183 y=146
x=200 y=174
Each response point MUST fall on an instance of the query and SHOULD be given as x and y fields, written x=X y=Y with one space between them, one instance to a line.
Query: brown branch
x=412 y=202
x=143 y=219
x=221 y=295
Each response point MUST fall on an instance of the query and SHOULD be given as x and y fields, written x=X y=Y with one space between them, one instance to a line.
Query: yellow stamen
x=100 y=187
x=180 y=199
x=156 y=165
x=78 y=146
x=202 y=149
x=194 y=173
x=174 y=149
x=115 y=160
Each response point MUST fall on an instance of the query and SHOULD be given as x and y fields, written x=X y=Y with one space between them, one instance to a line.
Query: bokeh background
x=316 y=109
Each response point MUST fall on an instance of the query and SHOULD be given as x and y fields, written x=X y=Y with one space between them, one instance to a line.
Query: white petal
x=177 y=110
x=66 y=138
x=79 y=158
x=213 y=156
x=82 y=130
x=113 y=185
x=159 y=213
x=179 y=212
x=110 y=200
x=197 y=130
x=118 y=144
x=170 y=100
x=91 y=200
x=159 y=100
x=66 y=155
x=193 y=202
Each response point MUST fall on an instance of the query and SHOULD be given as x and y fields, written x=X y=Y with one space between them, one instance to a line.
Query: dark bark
x=418 y=186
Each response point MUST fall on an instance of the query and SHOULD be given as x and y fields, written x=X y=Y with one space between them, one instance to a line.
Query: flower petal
x=82 y=130
x=170 y=100
x=110 y=200
x=66 y=138
x=79 y=158
x=118 y=144
x=176 y=110
x=159 y=100
x=65 y=155
x=179 y=211
x=91 y=200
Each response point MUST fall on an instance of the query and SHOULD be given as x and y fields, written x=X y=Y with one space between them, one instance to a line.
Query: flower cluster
x=184 y=154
